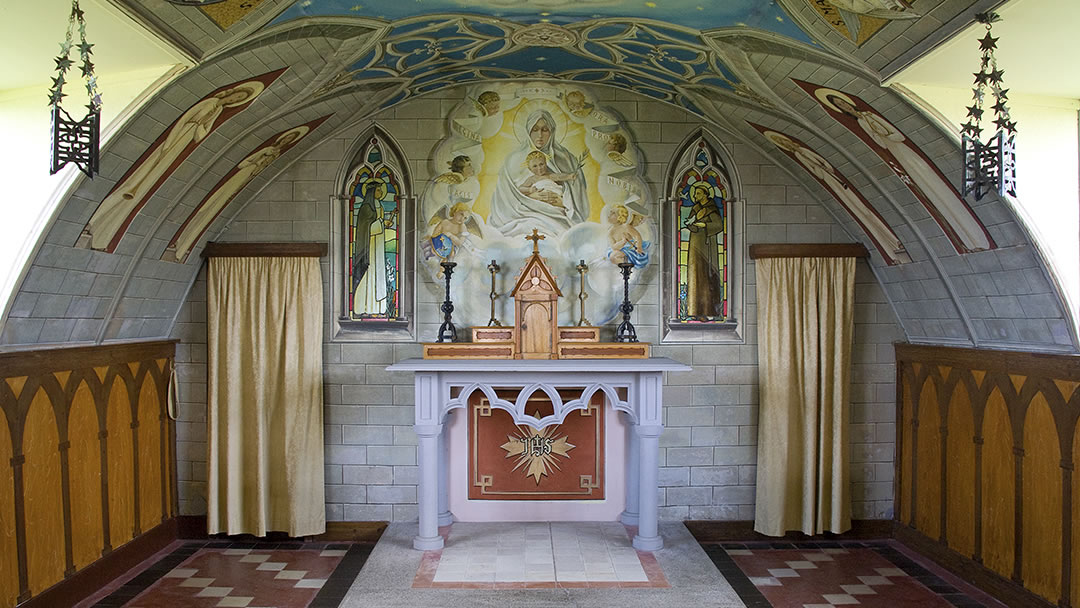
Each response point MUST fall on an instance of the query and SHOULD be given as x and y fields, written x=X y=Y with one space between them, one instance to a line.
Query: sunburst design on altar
x=537 y=449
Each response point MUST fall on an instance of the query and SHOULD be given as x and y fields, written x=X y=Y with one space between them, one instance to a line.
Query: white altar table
x=633 y=386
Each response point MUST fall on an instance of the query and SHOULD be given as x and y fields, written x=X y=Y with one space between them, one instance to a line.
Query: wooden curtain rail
x=264 y=250
x=808 y=250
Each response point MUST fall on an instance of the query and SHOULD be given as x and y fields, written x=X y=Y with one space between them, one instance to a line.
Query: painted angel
x=624 y=239
x=452 y=228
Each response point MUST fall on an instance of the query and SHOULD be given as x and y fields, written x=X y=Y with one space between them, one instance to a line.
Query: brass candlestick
x=582 y=268
x=493 y=268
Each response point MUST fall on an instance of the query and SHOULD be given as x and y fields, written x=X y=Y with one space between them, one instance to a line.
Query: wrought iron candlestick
x=447 y=331
x=493 y=268
x=625 y=332
x=582 y=268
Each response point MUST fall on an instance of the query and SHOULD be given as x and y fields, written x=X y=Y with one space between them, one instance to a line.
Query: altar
x=632 y=386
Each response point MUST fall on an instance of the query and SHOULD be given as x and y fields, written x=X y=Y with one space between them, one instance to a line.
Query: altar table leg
x=629 y=515
x=445 y=516
x=648 y=536
x=428 y=539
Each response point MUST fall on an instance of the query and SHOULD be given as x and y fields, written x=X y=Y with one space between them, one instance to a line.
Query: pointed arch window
x=374 y=227
x=700 y=267
x=374 y=240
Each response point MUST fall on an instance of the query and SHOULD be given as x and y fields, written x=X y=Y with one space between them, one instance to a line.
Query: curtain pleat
x=264 y=385
x=805 y=329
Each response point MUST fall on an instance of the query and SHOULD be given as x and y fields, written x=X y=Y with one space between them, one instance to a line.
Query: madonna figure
x=514 y=210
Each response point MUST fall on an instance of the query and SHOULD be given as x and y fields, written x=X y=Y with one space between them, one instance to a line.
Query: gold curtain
x=265 y=429
x=805 y=327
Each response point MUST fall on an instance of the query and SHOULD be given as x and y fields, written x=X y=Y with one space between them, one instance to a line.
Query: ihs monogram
x=537 y=449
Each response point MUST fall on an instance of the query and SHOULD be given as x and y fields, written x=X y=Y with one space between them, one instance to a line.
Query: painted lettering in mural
x=702 y=231
x=113 y=216
x=909 y=163
x=195 y=226
x=525 y=156
x=373 y=229
x=859 y=19
x=883 y=237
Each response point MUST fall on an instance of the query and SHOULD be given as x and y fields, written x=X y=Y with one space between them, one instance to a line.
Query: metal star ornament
x=990 y=165
x=75 y=141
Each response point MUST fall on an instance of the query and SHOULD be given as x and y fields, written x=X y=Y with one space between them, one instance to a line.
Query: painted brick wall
x=708 y=450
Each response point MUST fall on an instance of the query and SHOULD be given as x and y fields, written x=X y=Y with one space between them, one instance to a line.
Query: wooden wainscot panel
x=960 y=477
x=1042 y=502
x=579 y=334
x=989 y=445
x=998 y=488
x=78 y=472
x=469 y=350
x=928 y=462
x=9 y=574
x=604 y=350
x=43 y=496
x=87 y=533
x=493 y=334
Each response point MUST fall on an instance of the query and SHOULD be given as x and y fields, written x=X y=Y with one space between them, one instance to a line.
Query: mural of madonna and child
x=525 y=156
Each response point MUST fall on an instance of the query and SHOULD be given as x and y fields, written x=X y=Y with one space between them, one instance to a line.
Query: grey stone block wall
x=709 y=447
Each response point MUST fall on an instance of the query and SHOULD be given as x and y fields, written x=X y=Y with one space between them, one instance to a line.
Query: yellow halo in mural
x=295 y=134
x=251 y=89
x=782 y=141
x=552 y=108
x=824 y=94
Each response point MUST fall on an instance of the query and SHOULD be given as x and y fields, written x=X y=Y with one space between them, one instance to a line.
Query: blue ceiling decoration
x=698 y=15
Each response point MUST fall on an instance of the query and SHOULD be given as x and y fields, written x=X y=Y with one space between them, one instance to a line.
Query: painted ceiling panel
x=696 y=14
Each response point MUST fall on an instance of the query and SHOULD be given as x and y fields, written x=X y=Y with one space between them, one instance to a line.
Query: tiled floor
x=222 y=574
x=828 y=574
x=586 y=559
x=538 y=555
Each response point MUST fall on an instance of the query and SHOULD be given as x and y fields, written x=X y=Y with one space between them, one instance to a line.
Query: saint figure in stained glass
x=703 y=232
x=374 y=263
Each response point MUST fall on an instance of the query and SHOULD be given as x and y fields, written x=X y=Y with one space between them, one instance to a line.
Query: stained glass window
x=701 y=190
x=373 y=282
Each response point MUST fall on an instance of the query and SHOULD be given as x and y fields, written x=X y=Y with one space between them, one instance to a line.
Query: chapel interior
x=593 y=303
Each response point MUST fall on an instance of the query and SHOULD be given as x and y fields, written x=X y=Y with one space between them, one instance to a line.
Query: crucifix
x=535 y=237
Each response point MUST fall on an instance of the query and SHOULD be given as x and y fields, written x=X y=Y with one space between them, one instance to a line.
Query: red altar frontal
x=508 y=461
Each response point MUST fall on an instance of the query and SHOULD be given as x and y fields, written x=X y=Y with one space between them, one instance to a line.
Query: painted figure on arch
x=229 y=186
x=910 y=164
x=883 y=237
x=116 y=211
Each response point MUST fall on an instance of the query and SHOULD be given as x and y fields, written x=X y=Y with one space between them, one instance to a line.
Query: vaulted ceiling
x=742 y=66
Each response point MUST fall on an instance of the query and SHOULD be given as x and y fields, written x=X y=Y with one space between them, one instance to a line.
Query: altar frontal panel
x=517 y=462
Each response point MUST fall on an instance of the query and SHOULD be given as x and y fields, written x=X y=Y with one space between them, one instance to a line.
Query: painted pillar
x=428 y=429
x=629 y=515
x=649 y=401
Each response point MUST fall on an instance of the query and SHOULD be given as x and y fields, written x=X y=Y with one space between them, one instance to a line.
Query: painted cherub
x=451 y=231
x=616 y=150
x=461 y=169
x=543 y=185
x=624 y=239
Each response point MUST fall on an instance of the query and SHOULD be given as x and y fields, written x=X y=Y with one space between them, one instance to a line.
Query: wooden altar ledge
x=632 y=386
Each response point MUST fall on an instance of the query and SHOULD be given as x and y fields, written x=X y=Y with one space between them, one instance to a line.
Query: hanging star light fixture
x=75 y=141
x=989 y=166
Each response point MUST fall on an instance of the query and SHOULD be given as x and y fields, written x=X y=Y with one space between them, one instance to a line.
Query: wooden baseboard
x=85 y=582
x=706 y=531
x=1007 y=591
x=194 y=527
x=353 y=531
